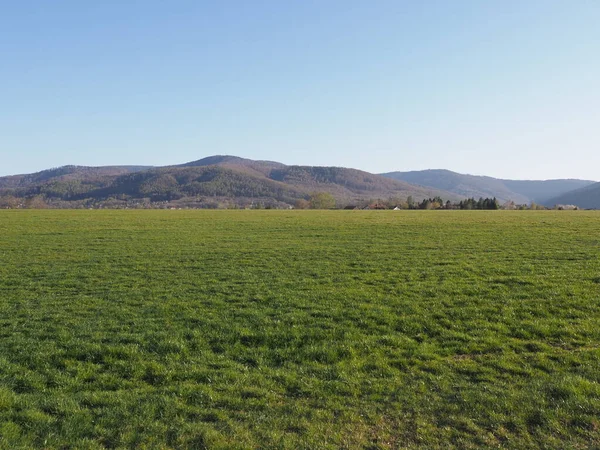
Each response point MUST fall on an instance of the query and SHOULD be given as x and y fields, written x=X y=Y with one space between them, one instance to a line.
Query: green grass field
x=299 y=329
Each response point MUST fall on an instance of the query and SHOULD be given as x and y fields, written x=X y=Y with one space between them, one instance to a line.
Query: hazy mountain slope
x=466 y=185
x=586 y=197
x=541 y=191
x=519 y=191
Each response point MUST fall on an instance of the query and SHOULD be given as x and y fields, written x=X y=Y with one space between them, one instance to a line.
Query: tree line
x=324 y=200
x=315 y=200
x=432 y=203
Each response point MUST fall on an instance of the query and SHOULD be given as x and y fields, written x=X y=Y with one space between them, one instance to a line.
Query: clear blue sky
x=507 y=88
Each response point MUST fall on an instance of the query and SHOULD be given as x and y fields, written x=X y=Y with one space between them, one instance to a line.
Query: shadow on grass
x=513 y=282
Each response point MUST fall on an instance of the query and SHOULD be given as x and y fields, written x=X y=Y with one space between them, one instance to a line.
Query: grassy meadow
x=299 y=329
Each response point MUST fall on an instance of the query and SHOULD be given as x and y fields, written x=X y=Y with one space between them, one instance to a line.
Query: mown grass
x=299 y=329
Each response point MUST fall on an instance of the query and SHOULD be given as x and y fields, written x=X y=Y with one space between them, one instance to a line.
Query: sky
x=506 y=88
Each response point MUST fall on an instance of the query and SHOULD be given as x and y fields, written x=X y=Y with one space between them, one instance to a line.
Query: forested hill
x=518 y=191
x=66 y=173
x=260 y=168
x=211 y=182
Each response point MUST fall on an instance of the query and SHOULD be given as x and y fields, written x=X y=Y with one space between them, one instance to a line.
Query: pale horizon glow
x=505 y=89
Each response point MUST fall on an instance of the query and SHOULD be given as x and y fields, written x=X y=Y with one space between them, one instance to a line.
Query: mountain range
x=586 y=197
x=225 y=181
x=215 y=181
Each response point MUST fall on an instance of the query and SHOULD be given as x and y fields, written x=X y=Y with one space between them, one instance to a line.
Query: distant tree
x=36 y=202
x=534 y=206
x=394 y=202
x=410 y=201
x=397 y=203
x=427 y=203
x=322 y=200
x=9 y=201
x=302 y=204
